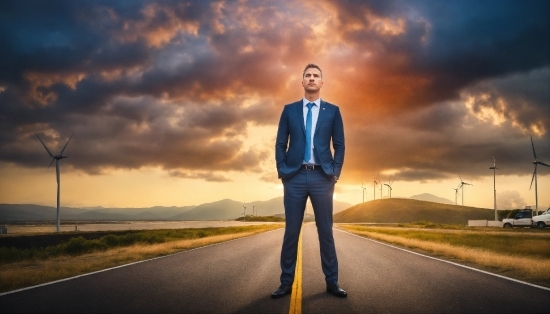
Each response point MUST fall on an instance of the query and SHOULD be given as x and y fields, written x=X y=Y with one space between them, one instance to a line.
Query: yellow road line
x=296 y=296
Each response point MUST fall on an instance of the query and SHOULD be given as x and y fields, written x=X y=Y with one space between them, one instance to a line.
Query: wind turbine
x=536 y=162
x=494 y=167
x=57 y=158
x=244 y=211
x=389 y=186
x=461 y=186
x=375 y=183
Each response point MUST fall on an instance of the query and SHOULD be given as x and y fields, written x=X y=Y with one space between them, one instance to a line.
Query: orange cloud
x=39 y=91
x=158 y=26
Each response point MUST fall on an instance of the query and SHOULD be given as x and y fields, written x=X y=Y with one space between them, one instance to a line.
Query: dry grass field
x=521 y=254
x=29 y=272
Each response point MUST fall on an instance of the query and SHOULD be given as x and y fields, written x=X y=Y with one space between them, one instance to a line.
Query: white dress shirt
x=314 y=116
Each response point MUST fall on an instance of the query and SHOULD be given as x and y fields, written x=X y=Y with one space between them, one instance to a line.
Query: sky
x=176 y=103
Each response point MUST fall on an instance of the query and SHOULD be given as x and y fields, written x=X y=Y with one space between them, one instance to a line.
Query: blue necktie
x=307 y=153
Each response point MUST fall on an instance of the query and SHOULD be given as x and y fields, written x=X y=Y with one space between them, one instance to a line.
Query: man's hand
x=335 y=179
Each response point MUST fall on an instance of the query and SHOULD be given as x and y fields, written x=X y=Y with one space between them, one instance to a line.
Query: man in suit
x=307 y=168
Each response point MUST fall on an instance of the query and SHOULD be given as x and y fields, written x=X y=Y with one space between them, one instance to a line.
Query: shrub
x=80 y=245
x=8 y=255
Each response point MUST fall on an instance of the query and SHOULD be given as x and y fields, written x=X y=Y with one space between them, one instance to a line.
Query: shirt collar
x=317 y=102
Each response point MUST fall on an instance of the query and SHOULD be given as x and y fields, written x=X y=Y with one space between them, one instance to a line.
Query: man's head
x=312 y=78
x=314 y=66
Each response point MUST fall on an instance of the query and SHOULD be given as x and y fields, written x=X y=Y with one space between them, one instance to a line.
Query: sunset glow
x=177 y=103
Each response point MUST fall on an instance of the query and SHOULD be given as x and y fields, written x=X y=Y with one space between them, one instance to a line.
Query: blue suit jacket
x=291 y=140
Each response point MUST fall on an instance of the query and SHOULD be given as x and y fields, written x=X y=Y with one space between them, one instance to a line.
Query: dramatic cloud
x=428 y=89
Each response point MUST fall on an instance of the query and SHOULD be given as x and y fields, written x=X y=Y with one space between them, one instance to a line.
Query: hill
x=397 y=210
x=30 y=212
x=225 y=209
x=221 y=210
x=229 y=209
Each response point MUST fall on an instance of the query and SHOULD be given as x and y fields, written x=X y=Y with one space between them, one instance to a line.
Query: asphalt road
x=239 y=276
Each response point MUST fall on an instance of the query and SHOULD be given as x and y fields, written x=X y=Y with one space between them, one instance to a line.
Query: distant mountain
x=229 y=209
x=30 y=212
x=395 y=210
x=221 y=210
x=432 y=198
x=225 y=209
x=9 y=212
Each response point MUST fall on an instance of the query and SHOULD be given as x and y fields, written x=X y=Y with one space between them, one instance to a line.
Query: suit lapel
x=300 y=113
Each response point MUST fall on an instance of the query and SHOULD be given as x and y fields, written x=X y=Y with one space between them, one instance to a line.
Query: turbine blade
x=44 y=145
x=533 y=178
x=533 y=145
x=494 y=162
x=66 y=144
x=51 y=163
x=541 y=163
x=57 y=171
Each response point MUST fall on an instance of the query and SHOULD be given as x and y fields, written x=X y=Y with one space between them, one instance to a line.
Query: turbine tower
x=57 y=158
x=456 y=193
x=536 y=162
x=244 y=211
x=461 y=186
x=363 y=188
x=494 y=167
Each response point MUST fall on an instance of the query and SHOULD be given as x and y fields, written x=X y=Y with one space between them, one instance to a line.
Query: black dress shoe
x=281 y=291
x=337 y=291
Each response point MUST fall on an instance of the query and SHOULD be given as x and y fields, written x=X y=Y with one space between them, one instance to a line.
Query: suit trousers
x=319 y=187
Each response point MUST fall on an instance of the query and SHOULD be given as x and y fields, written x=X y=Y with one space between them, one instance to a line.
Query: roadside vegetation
x=23 y=267
x=520 y=253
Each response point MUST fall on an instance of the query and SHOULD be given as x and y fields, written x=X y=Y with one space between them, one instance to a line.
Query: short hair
x=311 y=65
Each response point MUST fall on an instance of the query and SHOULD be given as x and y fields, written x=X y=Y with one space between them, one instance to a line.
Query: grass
x=111 y=252
x=396 y=210
x=262 y=218
x=521 y=255
x=76 y=245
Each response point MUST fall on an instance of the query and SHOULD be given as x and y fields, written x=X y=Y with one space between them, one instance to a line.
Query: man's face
x=312 y=81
